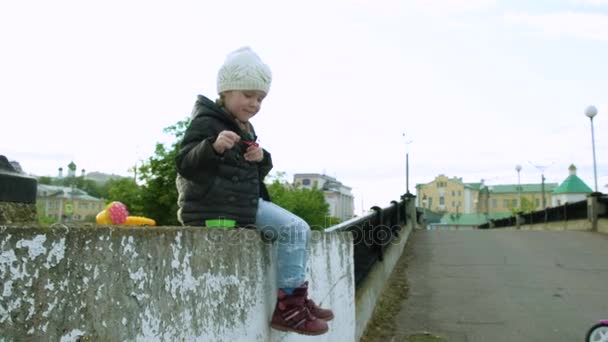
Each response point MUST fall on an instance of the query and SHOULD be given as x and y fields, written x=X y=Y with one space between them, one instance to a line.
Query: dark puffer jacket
x=210 y=185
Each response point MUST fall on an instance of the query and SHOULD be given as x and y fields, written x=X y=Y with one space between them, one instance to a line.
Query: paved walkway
x=505 y=285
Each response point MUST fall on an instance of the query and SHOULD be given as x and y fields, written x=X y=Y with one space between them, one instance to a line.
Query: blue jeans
x=291 y=234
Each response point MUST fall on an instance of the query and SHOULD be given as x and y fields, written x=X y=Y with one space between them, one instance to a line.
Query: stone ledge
x=11 y=212
x=115 y=283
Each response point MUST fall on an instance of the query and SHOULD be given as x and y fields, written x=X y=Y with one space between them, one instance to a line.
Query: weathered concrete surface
x=12 y=212
x=372 y=287
x=602 y=226
x=583 y=224
x=505 y=285
x=159 y=284
x=370 y=290
x=575 y=225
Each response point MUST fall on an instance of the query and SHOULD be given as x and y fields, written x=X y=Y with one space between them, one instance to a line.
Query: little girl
x=221 y=172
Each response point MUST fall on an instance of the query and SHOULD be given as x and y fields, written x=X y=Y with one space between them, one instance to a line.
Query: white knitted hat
x=243 y=70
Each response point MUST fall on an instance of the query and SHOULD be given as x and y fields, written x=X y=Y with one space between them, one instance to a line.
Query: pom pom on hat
x=244 y=70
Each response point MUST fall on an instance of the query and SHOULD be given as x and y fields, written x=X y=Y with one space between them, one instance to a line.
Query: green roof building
x=451 y=195
x=572 y=189
x=457 y=221
x=64 y=203
x=463 y=204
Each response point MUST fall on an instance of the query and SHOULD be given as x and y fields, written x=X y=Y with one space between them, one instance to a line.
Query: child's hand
x=225 y=141
x=254 y=154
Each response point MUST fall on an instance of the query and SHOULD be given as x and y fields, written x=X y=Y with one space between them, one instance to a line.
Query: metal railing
x=372 y=233
x=568 y=211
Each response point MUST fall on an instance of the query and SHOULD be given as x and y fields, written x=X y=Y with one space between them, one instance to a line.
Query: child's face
x=243 y=104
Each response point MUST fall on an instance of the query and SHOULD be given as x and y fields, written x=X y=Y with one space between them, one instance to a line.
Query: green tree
x=125 y=190
x=93 y=188
x=88 y=185
x=45 y=180
x=67 y=181
x=526 y=206
x=158 y=173
x=309 y=204
x=43 y=220
x=159 y=195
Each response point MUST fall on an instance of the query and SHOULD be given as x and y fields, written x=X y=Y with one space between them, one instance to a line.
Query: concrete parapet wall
x=583 y=224
x=159 y=284
x=602 y=225
x=371 y=289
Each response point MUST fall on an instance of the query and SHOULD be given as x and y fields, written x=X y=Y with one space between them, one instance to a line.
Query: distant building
x=337 y=195
x=572 y=189
x=66 y=203
x=98 y=177
x=452 y=195
x=502 y=198
x=71 y=169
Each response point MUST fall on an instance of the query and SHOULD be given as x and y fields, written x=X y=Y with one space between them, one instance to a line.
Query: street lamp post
x=542 y=186
x=542 y=169
x=590 y=112
x=407 y=166
x=518 y=169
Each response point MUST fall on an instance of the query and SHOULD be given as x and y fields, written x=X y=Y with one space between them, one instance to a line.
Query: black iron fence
x=603 y=212
x=568 y=211
x=372 y=233
x=503 y=222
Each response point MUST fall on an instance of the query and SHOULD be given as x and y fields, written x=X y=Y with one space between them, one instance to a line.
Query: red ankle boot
x=315 y=310
x=292 y=314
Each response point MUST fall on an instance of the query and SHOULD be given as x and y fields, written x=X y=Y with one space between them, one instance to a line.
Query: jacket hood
x=205 y=107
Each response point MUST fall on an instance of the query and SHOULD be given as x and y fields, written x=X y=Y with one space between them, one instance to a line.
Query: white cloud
x=419 y=7
x=591 y=2
x=455 y=5
x=590 y=26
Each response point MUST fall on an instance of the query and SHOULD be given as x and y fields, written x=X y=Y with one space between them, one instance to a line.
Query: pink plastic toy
x=117 y=212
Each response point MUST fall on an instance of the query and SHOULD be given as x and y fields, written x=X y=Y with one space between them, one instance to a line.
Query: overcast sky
x=478 y=86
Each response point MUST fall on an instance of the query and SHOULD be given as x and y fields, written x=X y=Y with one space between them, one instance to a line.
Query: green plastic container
x=220 y=223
